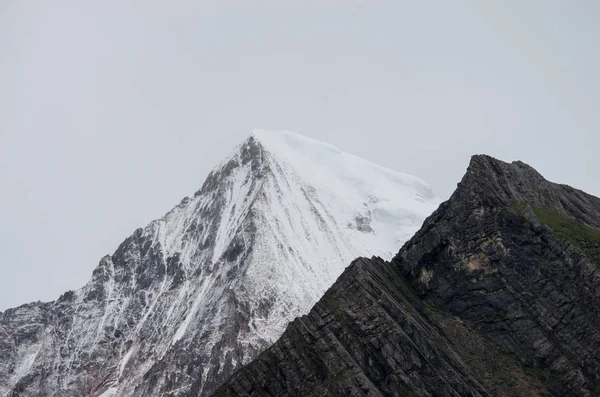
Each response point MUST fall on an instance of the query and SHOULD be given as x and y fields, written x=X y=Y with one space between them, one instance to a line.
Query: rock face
x=194 y=295
x=496 y=295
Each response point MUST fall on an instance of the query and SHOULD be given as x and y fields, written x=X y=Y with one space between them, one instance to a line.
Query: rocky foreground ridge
x=498 y=294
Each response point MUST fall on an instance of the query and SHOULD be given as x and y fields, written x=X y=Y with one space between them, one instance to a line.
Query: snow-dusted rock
x=197 y=293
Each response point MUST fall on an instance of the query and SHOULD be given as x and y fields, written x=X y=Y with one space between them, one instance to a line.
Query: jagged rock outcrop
x=194 y=295
x=498 y=294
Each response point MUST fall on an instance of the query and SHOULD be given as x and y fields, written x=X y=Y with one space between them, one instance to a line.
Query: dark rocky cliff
x=497 y=295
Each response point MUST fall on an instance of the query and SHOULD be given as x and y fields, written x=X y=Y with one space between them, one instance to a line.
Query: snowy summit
x=188 y=299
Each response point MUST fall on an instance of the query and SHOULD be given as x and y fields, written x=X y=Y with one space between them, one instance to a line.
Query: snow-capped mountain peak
x=195 y=294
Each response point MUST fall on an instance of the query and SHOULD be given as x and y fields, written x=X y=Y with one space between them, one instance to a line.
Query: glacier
x=188 y=299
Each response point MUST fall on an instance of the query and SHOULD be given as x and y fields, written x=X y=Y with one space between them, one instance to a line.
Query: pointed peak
x=316 y=162
x=488 y=166
x=491 y=182
x=249 y=152
x=492 y=174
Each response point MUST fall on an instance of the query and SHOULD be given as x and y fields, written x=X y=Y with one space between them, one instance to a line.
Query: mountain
x=498 y=294
x=194 y=295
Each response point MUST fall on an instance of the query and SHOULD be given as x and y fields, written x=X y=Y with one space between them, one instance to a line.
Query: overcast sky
x=111 y=112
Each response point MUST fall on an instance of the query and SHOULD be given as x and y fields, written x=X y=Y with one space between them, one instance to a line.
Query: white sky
x=111 y=112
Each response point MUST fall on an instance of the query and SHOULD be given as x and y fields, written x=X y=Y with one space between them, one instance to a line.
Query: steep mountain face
x=196 y=294
x=496 y=295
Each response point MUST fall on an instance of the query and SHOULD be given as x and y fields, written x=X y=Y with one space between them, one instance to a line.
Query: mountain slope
x=192 y=296
x=496 y=295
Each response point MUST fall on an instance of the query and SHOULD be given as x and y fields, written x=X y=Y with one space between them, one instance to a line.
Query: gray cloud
x=110 y=113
